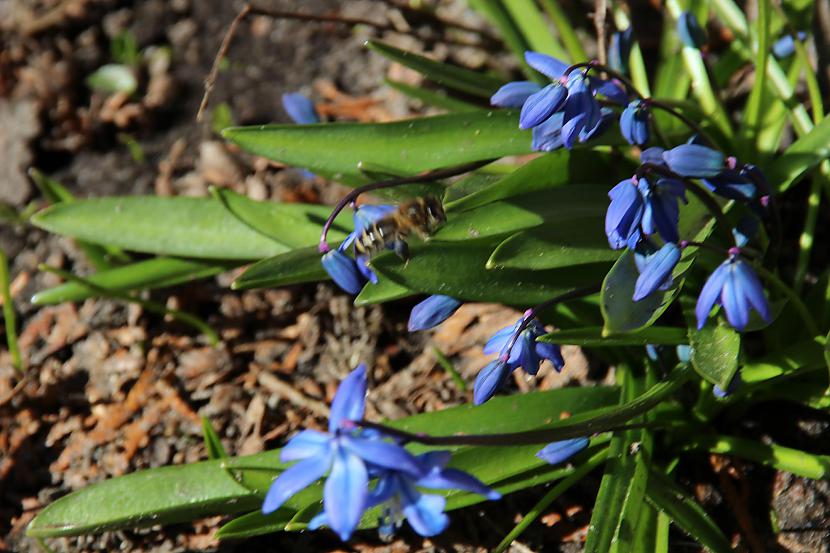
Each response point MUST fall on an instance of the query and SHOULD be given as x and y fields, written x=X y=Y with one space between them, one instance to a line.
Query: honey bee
x=420 y=215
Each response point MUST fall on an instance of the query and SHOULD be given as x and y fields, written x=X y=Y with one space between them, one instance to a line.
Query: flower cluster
x=352 y=456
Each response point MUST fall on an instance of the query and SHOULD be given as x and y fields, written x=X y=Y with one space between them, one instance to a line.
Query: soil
x=111 y=389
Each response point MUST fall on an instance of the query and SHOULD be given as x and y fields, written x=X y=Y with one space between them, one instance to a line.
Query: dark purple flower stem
x=533 y=311
x=427 y=176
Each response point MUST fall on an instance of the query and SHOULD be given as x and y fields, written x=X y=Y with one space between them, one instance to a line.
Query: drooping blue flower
x=343 y=271
x=541 y=105
x=526 y=353
x=514 y=94
x=694 y=160
x=300 y=109
x=733 y=184
x=346 y=453
x=661 y=211
x=582 y=111
x=734 y=286
x=634 y=123
x=655 y=270
x=558 y=452
x=784 y=47
x=622 y=220
x=691 y=33
x=547 y=136
x=431 y=312
x=619 y=49
x=653 y=155
x=612 y=89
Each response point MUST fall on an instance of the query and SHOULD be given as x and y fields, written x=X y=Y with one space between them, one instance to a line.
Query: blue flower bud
x=655 y=270
x=690 y=31
x=619 y=50
x=300 y=109
x=514 y=94
x=489 y=380
x=343 y=271
x=694 y=160
x=541 y=105
x=784 y=47
x=684 y=353
x=653 y=155
x=634 y=123
x=431 y=312
x=557 y=452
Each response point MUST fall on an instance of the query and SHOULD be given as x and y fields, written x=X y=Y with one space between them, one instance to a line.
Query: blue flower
x=514 y=94
x=694 y=160
x=622 y=220
x=526 y=352
x=346 y=453
x=619 y=50
x=300 y=109
x=431 y=312
x=661 y=211
x=582 y=111
x=548 y=66
x=735 y=286
x=634 y=123
x=547 y=136
x=343 y=271
x=733 y=184
x=557 y=452
x=784 y=47
x=653 y=155
x=655 y=270
x=690 y=31
x=541 y=105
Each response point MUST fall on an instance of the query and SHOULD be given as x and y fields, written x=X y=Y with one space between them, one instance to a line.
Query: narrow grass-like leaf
x=157 y=272
x=451 y=76
x=690 y=517
x=213 y=444
x=532 y=25
x=566 y=30
x=432 y=97
x=408 y=147
x=803 y=155
x=495 y=12
x=9 y=319
x=593 y=337
x=381 y=292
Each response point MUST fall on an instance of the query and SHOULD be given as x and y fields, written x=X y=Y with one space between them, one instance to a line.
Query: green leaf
x=593 y=337
x=690 y=517
x=158 y=272
x=213 y=445
x=578 y=242
x=715 y=352
x=180 y=226
x=408 y=147
x=534 y=28
x=804 y=154
x=463 y=274
x=556 y=206
x=295 y=225
x=495 y=12
x=294 y=267
x=451 y=76
x=113 y=78
x=384 y=290
x=432 y=97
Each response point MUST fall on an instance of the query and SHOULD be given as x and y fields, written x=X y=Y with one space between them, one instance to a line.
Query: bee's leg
x=401 y=249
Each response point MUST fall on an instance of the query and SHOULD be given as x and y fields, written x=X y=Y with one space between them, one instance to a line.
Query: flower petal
x=694 y=160
x=385 y=454
x=514 y=94
x=499 y=340
x=431 y=312
x=733 y=300
x=548 y=66
x=293 y=479
x=308 y=443
x=710 y=293
x=426 y=515
x=343 y=271
x=551 y=352
x=299 y=108
x=454 y=479
x=557 y=452
x=489 y=380
x=752 y=289
x=541 y=105
x=350 y=399
x=547 y=136
x=345 y=493
x=657 y=271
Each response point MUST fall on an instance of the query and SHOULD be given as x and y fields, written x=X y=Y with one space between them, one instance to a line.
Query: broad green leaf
x=295 y=225
x=469 y=184
x=458 y=269
x=576 y=242
x=593 y=337
x=294 y=267
x=384 y=290
x=715 y=352
x=690 y=517
x=409 y=147
x=432 y=97
x=158 y=272
x=556 y=207
x=111 y=78
x=451 y=76
x=180 y=226
x=804 y=154
x=180 y=493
